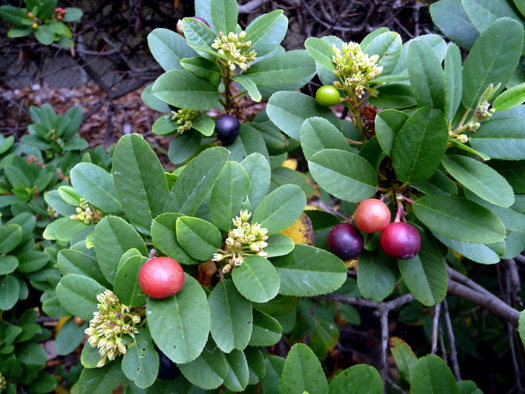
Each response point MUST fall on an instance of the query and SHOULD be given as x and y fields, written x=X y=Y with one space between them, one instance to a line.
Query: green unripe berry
x=327 y=96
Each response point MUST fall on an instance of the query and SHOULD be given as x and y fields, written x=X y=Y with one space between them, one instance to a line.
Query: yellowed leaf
x=301 y=231
x=291 y=164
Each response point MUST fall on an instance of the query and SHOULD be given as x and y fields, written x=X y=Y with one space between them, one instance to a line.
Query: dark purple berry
x=400 y=240
x=167 y=369
x=345 y=241
x=227 y=128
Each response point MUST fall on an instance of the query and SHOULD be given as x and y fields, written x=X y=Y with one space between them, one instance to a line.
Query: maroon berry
x=345 y=241
x=227 y=128
x=200 y=19
x=400 y=240
x=161 y=277
x=372 y=215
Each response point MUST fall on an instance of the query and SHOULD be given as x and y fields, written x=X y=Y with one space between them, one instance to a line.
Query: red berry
x=400 y=240
x=345 y=241
x=372 y=215
x=60 y=17
x=161 y=277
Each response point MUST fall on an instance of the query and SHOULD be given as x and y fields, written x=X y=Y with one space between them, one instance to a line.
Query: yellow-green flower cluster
x=108 y=326
x=84 y=212
x=246 y=239
x=354 y=69
x=235 y=49
x=52 y=213
x=185 y=118
x=3 y=383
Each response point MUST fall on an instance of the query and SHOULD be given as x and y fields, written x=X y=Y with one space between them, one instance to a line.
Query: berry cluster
x=59 y=13
x=235 y=49
x=398 y=240
x=354 y=69
x=185 y=118
x=245 y=239
x=108 y=326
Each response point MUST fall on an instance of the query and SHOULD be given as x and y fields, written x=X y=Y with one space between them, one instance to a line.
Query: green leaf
x=181 y=88
x=388 y=123
x=200 y=38
x=453 y=81
x=480 y=179
x=10 y=236
x=89 y=356
x=168 y=48
x=44 y=34
x=324 y=338
x=258 y=169
x=420 y=145
x=282 y=176
x=453 y=21
x=16 y=32
x=404 y=357
x=321 y=51
x=9 y=292
x=279 y=245
x=199 y=238
x=180 y=324
x=510 y=98
x=479 y=253
x=256 y=279
x=387 y=46
x=432 y=375
x=266 y=32
x=238 y=373
x=492 y=60
x=425 y=274
x=141 y=362
x=32 y=261
x=514 y=173
x=13 y=14
x=153 y=102
x=280 y=209
x=438 y=183
x=183 y=146
x=302 y=372
x=256 y=364
x=343 y=174
x=426 y=75
x=309 y=271
x=229 y=195
x=197 y=179
x=105 y=380
x=165 y=126
x=287 y=71
x=78 y=295
x=289 y=110
x=126 y=286
x=72 y=14
x=139 y=180
x=501 y=138
x=266 y=330
x=318 y=134
x=394 y=95
x=377 y=275
x=113 y=237
x=163 y=232
x=250 y=141
x=468 y=387
x=8 y=264
x=200 y=66
x=231 y=317
x=521 y=327
x=357 y=379
x=459 y=219
x=44 y=383
x=96 y=186
x=483 y=12
x=207 y=371
x=274 y=368
x=6 y=143
x=70 y=337
x=224 y=15
x=247 y=83
x=72 y=261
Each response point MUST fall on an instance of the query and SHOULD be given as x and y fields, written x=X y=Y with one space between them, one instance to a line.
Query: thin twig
x=384 y=346
x=435 y=328
x=451 y=342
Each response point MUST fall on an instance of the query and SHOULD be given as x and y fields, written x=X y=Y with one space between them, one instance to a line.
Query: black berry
x=345 y=241
x=227 y=128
